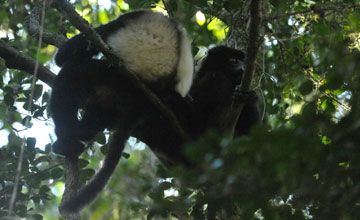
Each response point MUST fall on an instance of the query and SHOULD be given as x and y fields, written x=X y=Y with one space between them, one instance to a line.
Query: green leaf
x=101 y=138
x=48 y=148
x=83 y=163
x=37 y=217
x=26 y=121
x=37 y=92
x=306 y=87
x=56 y=173
x=9 y=100
x=45 y=98
x=86 y=174
x=31 y=142
x=39 y=112
x=44 y=190
x=125 y=155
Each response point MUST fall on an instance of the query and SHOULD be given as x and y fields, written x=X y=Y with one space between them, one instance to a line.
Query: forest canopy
x=302 y=162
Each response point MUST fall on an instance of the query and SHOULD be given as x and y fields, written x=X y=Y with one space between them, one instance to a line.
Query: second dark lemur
x=213 y=91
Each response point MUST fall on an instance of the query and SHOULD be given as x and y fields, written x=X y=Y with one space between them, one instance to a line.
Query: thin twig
x=17 y=178
x=21 y=157
x=36 y=68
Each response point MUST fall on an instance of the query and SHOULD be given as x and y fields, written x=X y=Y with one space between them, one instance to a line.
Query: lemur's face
x=236 y=68
x=226 y=61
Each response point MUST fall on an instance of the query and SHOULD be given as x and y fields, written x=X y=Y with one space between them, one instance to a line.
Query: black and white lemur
x=155 y=48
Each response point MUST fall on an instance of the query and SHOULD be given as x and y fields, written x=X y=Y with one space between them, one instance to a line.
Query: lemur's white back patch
x=149 y=47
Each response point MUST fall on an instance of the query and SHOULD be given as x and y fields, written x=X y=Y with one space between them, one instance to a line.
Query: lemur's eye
x=234 y=61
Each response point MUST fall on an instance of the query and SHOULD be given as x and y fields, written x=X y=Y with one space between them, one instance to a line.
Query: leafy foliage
x=302 y=163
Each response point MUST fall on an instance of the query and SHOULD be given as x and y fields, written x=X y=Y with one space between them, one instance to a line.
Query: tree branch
x=33 y=26
x=71 y=185
x=253 y=45
x=252 y=50
x=15 y=59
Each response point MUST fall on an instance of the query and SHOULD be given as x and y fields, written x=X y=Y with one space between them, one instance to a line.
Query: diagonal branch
x=15 y=59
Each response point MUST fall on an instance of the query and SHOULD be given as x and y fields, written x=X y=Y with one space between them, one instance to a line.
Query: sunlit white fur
x=149 y=47
x=185 y=66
